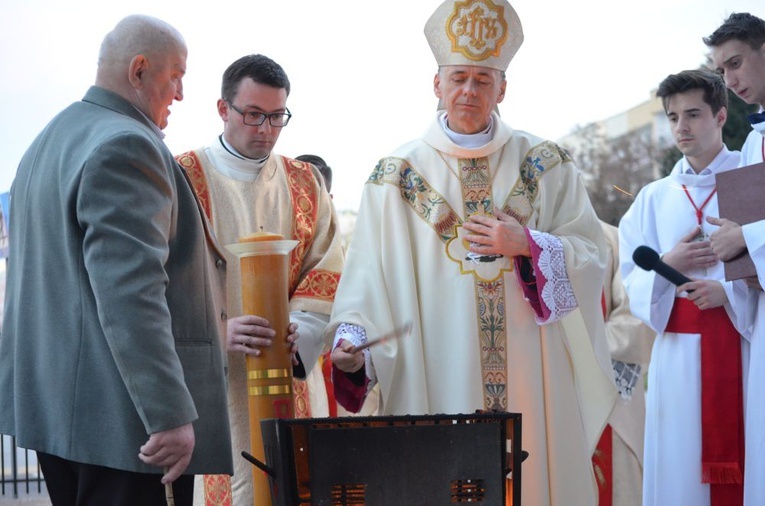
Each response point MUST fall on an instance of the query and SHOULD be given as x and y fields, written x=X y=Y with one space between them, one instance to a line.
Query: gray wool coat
x=114 y=297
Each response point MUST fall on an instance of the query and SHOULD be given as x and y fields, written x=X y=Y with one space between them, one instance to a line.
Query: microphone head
x=645 y=258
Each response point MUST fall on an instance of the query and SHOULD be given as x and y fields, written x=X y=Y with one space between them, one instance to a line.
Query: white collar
x=229 y=162
x=687 y=176
x=469 y=141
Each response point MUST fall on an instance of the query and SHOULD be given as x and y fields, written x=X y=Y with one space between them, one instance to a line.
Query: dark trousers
x=75 y=484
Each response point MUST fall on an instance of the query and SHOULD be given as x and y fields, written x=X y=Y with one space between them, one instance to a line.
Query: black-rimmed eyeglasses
x=255 y=118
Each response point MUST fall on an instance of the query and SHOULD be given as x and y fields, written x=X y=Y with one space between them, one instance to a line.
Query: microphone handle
x=674 y=276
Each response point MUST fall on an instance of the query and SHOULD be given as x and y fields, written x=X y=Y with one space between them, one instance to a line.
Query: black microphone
x=647 y=259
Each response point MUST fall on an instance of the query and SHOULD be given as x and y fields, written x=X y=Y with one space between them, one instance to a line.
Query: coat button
x=223 y=316
x=219 y=263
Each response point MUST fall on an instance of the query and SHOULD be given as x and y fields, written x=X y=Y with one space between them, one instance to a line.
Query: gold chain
x=491 y=179
x=447 y=165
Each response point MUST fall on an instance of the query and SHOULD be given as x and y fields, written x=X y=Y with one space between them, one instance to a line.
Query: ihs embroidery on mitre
x=477 y=30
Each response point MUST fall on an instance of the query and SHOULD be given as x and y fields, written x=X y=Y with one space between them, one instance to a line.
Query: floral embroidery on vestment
x=218 y=490
x=490 y=298
x=319 y=284
x=302 y=183
x=430 y=205
x=190 y=163
x=537 y=162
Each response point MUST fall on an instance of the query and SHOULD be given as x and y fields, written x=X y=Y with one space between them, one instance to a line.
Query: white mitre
x=485 y=33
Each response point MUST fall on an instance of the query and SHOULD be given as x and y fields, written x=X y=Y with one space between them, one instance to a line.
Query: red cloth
x=602 y=463
x=326 y=371
x=722 y=405
x=530 y=280
x=349 y=394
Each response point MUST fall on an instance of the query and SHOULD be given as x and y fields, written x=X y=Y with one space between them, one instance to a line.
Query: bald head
x=140 y=59
x=135 y=35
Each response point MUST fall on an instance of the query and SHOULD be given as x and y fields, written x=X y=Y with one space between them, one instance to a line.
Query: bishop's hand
x=499 y=235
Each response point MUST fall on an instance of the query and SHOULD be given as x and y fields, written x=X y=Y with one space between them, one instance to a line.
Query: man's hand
x=170 y=449
x=292 y=338
x=502 y=235
x=705 y=293
x=690 y=253
x=728 y=240
x=343 y=359
x=247 y=334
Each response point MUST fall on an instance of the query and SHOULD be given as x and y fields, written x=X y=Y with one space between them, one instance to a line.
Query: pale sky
x=361 y=71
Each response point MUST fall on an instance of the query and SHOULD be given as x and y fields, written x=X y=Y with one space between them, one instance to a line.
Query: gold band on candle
x=268 y=374
x=271 y=390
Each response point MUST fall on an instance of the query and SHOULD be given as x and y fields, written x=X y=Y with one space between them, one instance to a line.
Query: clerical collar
x=231 y=149
x=231 y=163
x=469 y=141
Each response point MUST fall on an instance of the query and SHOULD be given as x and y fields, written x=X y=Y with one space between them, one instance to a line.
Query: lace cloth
x=557 y=293
x=357 y=335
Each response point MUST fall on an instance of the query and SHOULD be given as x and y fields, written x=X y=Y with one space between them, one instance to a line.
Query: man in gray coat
x=111 y=363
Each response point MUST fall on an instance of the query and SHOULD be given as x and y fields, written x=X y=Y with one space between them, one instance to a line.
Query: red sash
x=722 y=405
